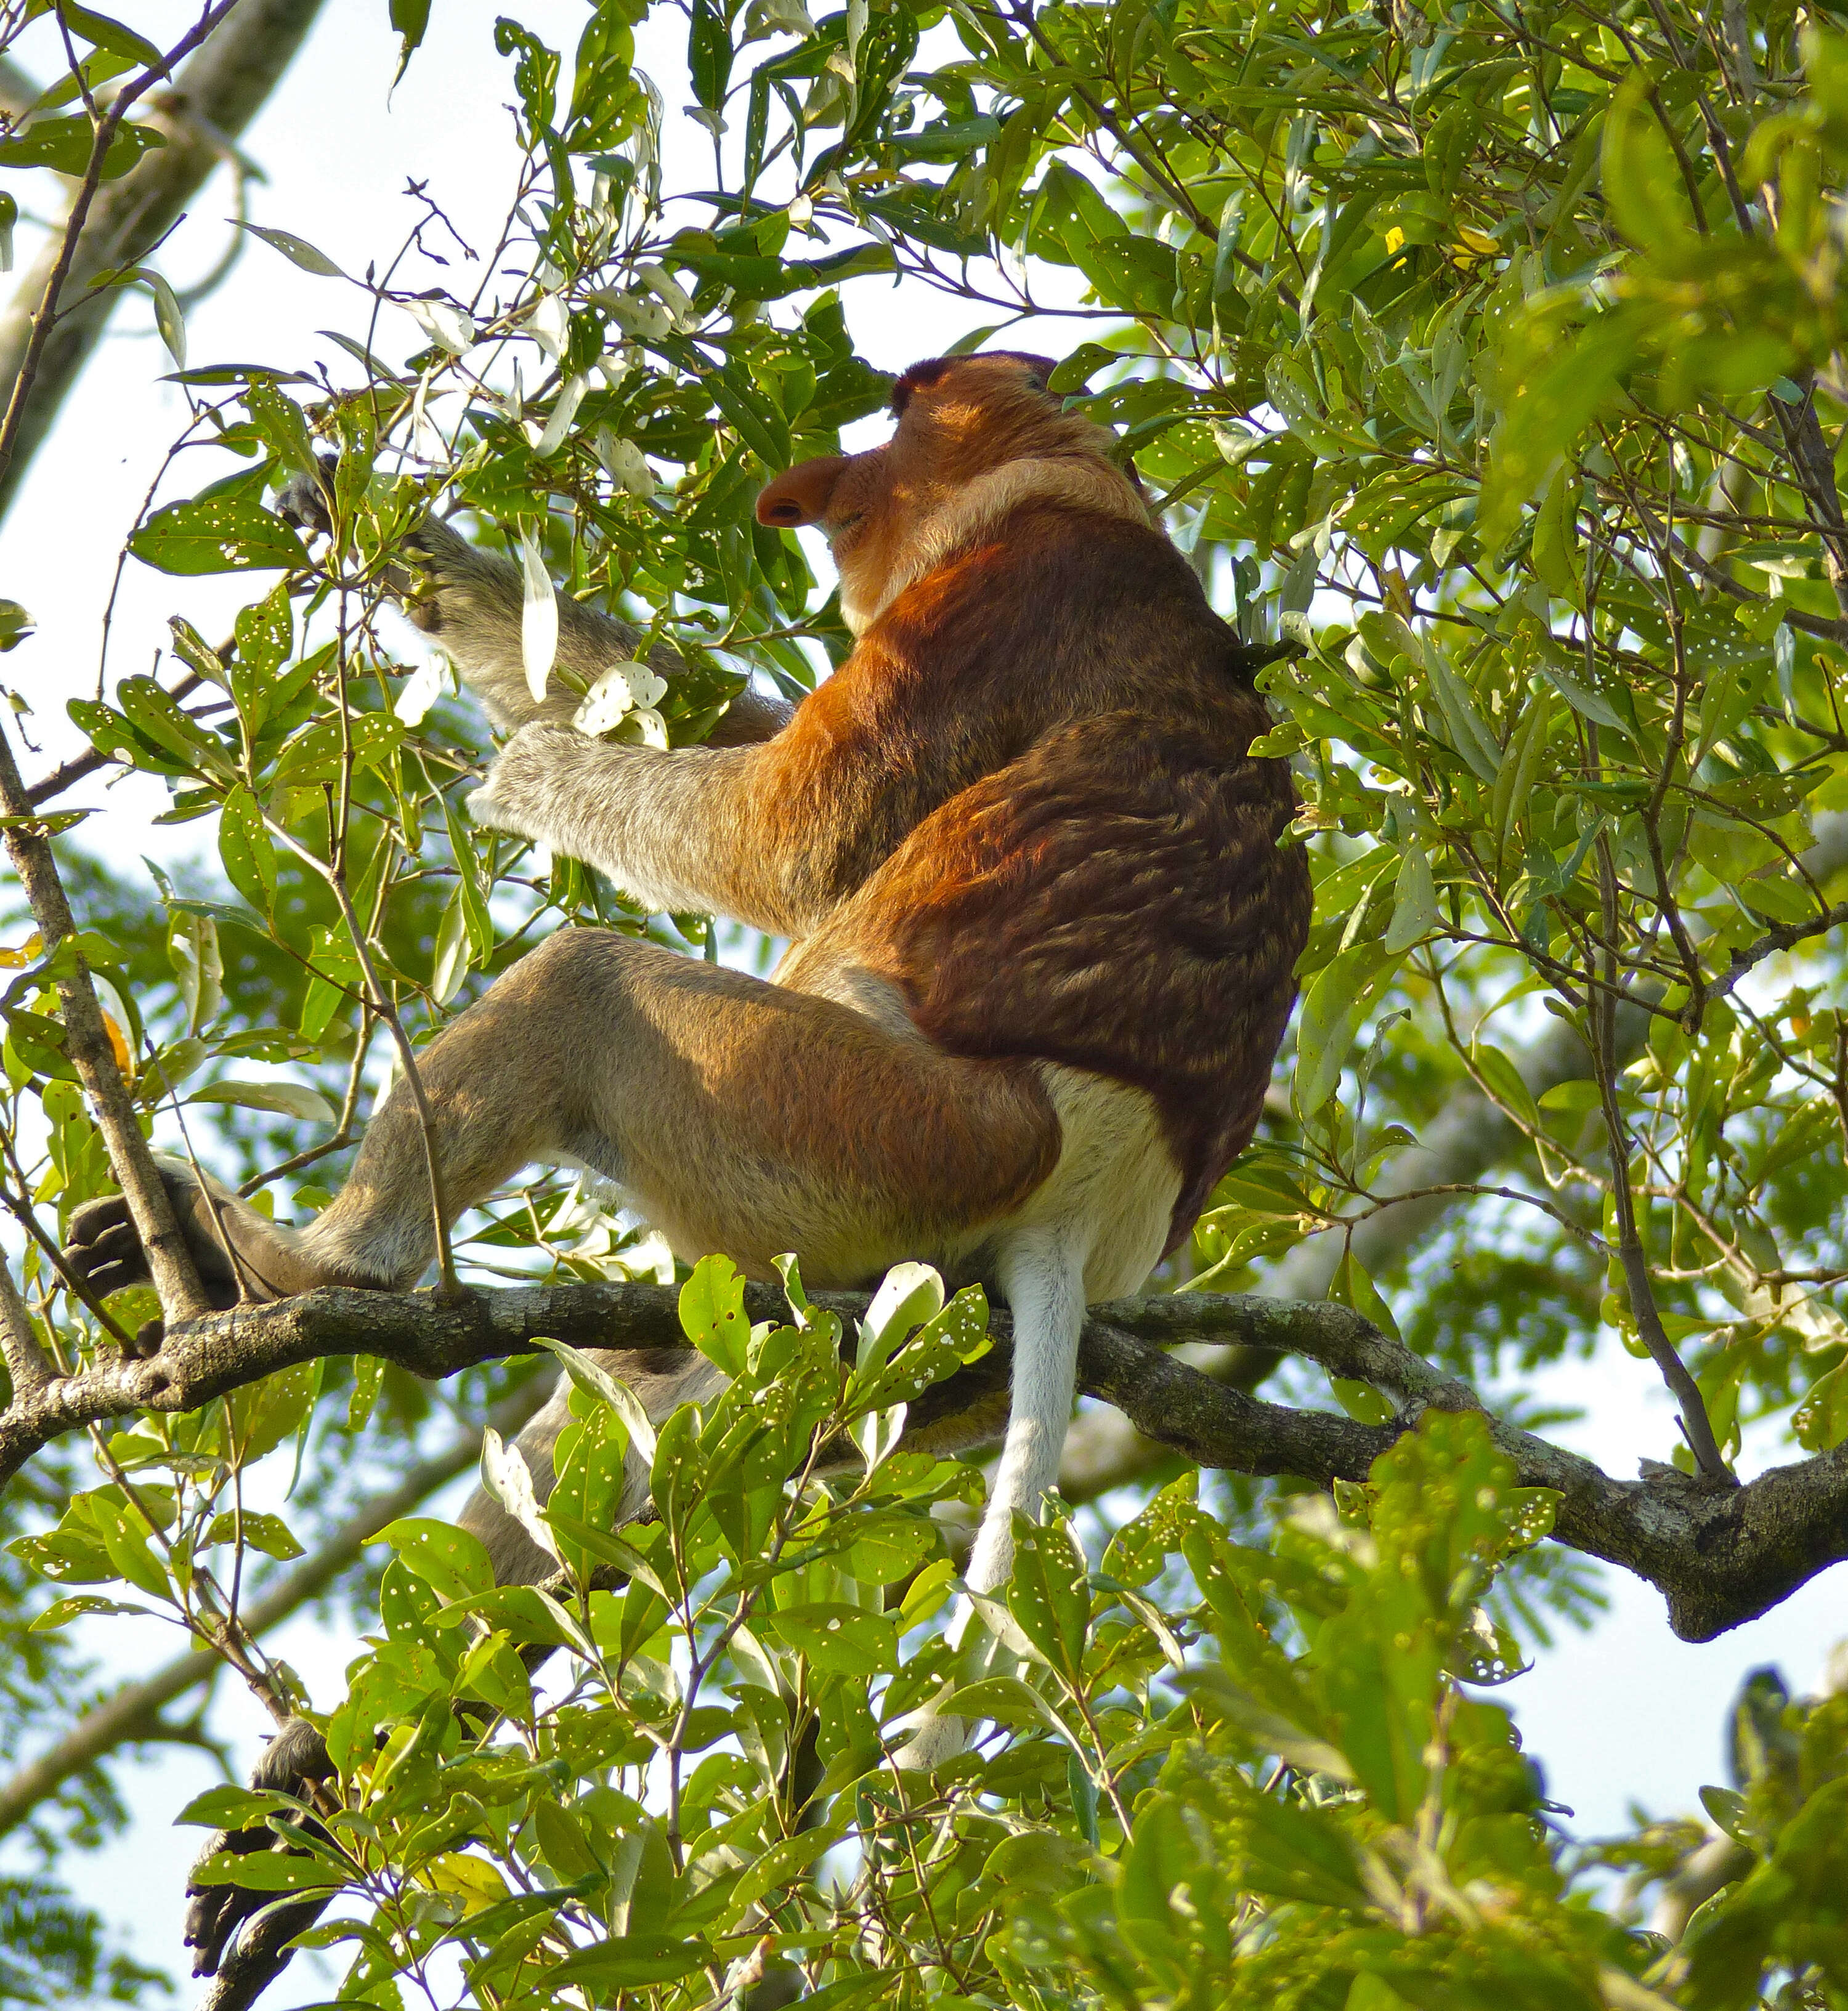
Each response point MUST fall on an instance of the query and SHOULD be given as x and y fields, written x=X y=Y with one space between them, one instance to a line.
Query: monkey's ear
x=800 y=494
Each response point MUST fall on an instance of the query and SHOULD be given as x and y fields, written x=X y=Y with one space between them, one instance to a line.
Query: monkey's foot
x=240 y=1255
x=103 y=1246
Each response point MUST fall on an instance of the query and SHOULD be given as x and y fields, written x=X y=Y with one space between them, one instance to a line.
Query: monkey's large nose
x=800 y=494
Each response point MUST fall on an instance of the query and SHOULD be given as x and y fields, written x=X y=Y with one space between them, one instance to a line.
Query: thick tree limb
x=1719 y=1555
x=214 y=98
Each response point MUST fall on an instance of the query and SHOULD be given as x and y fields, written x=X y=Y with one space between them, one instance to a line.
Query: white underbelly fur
x=1113 y=1190
x=1111 y=1193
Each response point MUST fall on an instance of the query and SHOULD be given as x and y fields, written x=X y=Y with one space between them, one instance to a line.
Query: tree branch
x=1719 y=1554
x=87 y=1047
x=214 y=97
x=28 y=1367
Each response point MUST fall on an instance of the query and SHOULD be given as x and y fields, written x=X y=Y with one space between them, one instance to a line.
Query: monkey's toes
x=302 y=502
x=147 y=1341
x=102 y=1246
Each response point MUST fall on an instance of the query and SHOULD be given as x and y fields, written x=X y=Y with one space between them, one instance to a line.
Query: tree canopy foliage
x=1488 y=354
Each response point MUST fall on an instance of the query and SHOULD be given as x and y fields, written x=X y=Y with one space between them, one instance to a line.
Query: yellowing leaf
x=119 y=1047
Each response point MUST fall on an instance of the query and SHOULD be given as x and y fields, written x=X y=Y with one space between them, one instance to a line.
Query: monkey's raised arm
x=767 y=834
x=470 y=600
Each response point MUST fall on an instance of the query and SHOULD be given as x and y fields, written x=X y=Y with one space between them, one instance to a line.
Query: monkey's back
x=1109 y=891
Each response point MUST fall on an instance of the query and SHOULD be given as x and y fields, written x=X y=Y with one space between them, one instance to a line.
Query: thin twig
x=44 y=317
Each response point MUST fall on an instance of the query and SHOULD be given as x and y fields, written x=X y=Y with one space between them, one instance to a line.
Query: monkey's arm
x=678 y=830
x=470 y=601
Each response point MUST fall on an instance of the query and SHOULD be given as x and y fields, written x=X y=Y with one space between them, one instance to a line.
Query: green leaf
x=782 y=1865
x=298 y=250
x=596 y=1381
x=629 y=1961
x=289 y=1099
x=1642 y=182
x=228 y=1806
x=109 y=33
x=1728 y=1811
x=284 y=430
x=266 y=1871
x=1049 y=1594
x=839 y=1640
x=709 y=54
x=1297 y=1853
x=246 y=849
x=411 y=19
x=1580 y=697
x=1505 y=1082
x=261 y=1531
x=712 y=1313
x=1414 y=913
x=319 y=752
x=1338 y=1001
x=217 y=534
x=157 y=715
x=448 y=1558
x=66 y=144
x=909 y=1294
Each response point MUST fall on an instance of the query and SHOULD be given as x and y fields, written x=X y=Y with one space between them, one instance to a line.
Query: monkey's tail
x=1042 y=1274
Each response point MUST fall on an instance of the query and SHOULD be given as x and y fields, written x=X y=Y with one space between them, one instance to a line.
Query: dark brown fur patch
x=927 y=376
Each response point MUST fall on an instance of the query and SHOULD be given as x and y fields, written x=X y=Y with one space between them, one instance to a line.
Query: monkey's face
x=958 y=417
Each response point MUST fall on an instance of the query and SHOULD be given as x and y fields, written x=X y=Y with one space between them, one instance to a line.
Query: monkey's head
x=885 y=512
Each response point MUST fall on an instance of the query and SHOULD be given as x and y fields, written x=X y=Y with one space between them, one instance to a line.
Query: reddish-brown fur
x=1063 y=848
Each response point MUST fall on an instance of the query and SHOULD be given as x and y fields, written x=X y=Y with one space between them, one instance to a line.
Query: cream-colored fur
x=978 y=507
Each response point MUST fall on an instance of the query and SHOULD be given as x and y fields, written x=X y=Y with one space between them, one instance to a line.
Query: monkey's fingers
x=258 y=1954
x=435 y=561
x=301 y=500
x=212 y=1911
x=102 y=1248
x=239 y=1935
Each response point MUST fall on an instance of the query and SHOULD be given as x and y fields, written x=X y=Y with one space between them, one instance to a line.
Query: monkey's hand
x=650 y=820
x=530 y=790
x=236 y=1934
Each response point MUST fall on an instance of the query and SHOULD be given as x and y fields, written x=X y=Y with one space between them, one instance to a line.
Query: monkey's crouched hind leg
x=739 y=1116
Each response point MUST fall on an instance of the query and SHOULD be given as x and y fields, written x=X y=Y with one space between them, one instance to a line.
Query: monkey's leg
x=743 y=1117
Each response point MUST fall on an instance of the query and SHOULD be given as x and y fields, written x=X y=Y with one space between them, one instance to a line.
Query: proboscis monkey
x=1043 y=917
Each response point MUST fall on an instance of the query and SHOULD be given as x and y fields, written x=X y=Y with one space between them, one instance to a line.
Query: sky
x=1624 y=1712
